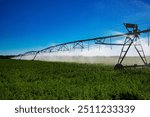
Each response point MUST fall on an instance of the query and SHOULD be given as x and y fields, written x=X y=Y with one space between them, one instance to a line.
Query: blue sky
x=35 y=24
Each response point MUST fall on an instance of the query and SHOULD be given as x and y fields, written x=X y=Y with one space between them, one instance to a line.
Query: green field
x=61 y=81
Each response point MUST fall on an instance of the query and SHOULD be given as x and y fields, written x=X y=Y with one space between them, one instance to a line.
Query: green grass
x=50 y=80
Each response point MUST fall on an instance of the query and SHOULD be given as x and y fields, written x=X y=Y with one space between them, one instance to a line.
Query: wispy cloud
x=141 y=13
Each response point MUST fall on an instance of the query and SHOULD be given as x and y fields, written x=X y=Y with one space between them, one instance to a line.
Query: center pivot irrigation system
x=131 y=38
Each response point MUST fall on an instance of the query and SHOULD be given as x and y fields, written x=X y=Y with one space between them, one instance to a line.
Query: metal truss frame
x=130 y=39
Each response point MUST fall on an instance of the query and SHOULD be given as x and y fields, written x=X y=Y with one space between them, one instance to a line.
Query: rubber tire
x=118 y=67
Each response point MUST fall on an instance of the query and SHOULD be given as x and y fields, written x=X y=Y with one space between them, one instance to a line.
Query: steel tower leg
x=20 y=57
x=139 y=49
x=127 y=44
x=35 y=55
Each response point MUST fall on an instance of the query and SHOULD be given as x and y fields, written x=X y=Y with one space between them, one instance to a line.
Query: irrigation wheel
x=118 y=67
